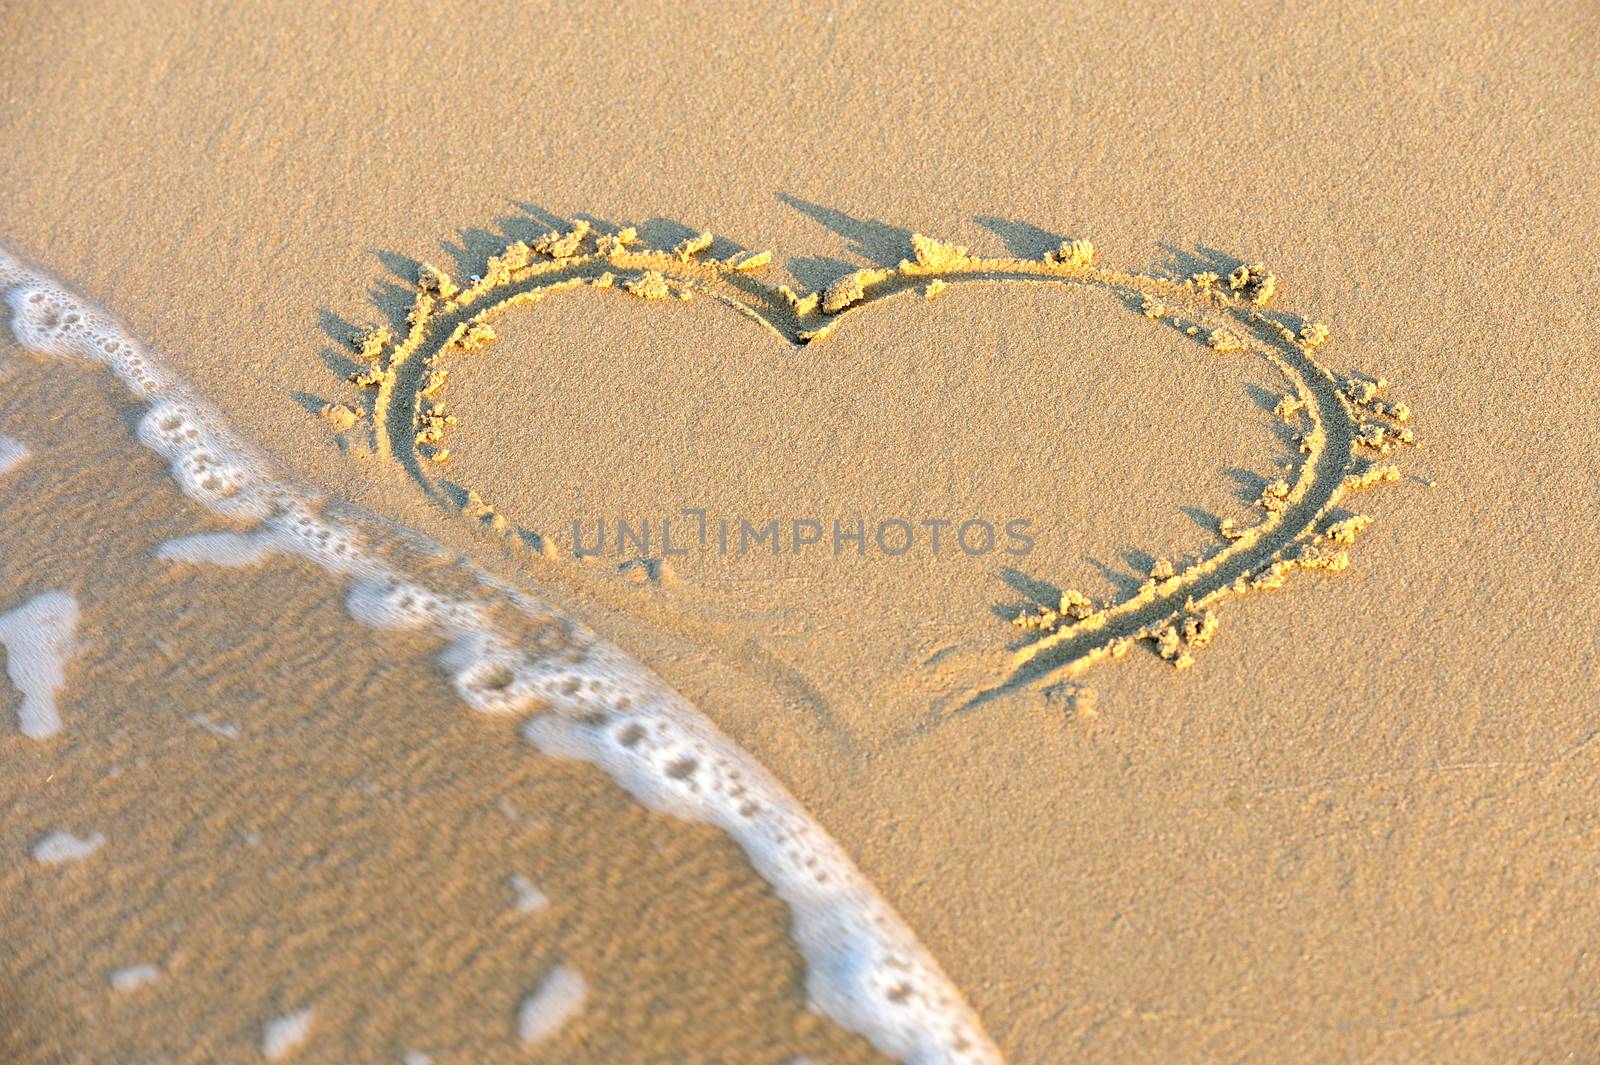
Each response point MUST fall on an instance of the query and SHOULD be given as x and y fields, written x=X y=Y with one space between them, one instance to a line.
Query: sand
x=1357 y=827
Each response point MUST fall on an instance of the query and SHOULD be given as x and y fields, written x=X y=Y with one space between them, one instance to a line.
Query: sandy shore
x=1357 y=828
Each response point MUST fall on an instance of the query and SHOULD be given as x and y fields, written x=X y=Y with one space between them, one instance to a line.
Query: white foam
x=864 y=969
x=282 y=1035
x=529 y=898
x=13 y=453
x=59 y=847
x=556 y=1000
x=133 y=977
x=40 y=635
x=217 y=728
x=416 y=1057
x=216 y=549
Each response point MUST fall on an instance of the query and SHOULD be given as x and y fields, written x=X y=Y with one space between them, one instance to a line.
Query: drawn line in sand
x=1343 y=425
x=507 y=653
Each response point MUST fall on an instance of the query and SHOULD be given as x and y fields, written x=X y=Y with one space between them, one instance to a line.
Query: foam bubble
x=282 y=1035
x=385 y=602
x=556 y=1000
x=61 y=847
x=39 y=637
x=529 y=898
x=13 y=453
x=133 y=977
x=205 y=460
x=864 y=969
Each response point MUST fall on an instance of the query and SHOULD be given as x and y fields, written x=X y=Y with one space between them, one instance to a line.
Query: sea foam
x=282 y=1035
x=556 y=1000
x=59 y=848
x=39 y=637
x=13 y=453
x=529 y=898
x=865 y=970
x=131 y=978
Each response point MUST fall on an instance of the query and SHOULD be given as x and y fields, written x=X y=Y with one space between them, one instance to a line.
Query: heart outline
x=1337 y=414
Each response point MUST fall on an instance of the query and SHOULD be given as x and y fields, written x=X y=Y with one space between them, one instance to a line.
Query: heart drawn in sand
x=505 y=653
x=1333 y=418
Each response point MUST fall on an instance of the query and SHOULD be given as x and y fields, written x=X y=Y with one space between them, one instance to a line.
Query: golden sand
x=1358 y=828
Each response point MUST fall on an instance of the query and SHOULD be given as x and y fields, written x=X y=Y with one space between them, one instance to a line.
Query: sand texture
x=1263 y=726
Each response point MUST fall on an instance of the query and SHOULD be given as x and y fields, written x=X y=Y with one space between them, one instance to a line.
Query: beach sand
x=1360 y=827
